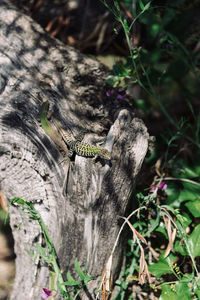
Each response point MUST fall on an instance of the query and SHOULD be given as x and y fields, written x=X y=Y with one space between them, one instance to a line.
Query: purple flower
x=46 y=293
x=114 y=92
x=121 y=94
x=109 y=93
x=162 y=186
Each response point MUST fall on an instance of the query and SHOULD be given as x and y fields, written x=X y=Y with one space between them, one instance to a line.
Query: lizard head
x=104 y=153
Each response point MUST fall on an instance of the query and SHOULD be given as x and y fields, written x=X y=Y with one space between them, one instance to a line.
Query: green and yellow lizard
x=80 y=148
x=70 y=145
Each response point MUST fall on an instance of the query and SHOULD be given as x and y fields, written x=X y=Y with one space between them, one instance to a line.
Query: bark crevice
x=84 y=223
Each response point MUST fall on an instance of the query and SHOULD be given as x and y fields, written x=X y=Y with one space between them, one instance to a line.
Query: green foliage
x=193 y=243
x=48 y=255
x=164 y=61
x=167 y=70
x=163 y=266
x=177 y=291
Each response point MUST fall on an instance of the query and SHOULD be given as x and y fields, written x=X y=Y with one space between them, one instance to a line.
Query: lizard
x=82 y=149
x=66 y=143
x=56 y=138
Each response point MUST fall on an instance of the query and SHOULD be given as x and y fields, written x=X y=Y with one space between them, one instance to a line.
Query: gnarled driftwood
x=83 y=224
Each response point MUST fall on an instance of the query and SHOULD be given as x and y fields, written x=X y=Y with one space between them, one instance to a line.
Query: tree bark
x=84 y=223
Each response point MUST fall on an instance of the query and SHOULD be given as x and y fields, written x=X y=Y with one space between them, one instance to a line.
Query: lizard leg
x=67 y=156
x=94 y=159
x=69 y=153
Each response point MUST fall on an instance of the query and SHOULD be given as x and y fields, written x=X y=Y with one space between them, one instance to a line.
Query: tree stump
x=84 y=222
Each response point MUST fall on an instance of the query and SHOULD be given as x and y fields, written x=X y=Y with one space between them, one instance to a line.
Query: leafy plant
x=48 y=254
x=166 y=68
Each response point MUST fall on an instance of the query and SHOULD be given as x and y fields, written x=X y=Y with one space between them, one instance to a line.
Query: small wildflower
x=115 y=93
x=162 y=186
x=121 y=94
x=109 y=93
x=46 y=293
x=153 y=188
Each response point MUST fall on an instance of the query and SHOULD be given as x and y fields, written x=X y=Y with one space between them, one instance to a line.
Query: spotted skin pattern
x=83 y=149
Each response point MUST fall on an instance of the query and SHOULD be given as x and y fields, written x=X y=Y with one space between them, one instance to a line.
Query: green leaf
x=141 y=5
x=197 y=289
x=184 y=219
x=153 y=224
x=175 y=292
x=183 y=170
x=191 y=186
x=115 y=31
x=146 y=7
x=163 y=265
x=72 y=283
x=193 y=243
x=197 y=170
x=126 y=27
x=194 y=207
x=180 y=247
x=172 y=192
x=69 y=277
x=187 y=195
x=190 y=172
x=117 y=5
x=18 y=201
x=78 y=269
x=197 y=292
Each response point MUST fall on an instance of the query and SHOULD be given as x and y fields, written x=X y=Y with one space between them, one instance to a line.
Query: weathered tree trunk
x=84 y=223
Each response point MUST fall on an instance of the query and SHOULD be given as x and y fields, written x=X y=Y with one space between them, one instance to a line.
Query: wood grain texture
x=84 y=223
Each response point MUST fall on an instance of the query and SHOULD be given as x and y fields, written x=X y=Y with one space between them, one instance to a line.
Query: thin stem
x=122 y=227
x=183 y=235
x=180 y=179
